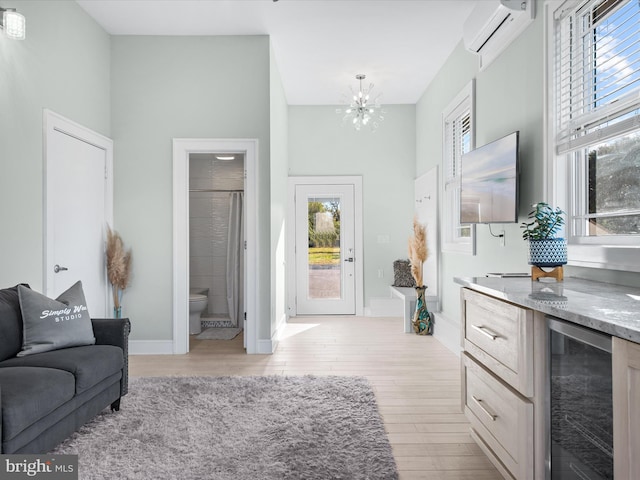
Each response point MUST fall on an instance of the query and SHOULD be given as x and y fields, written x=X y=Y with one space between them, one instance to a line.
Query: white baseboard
x=151 y=347
x=447 y=331
x=165 y=347
x=267 y=347
x=384 y=307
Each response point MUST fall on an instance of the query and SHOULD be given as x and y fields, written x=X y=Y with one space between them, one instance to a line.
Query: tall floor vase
x=422 y=320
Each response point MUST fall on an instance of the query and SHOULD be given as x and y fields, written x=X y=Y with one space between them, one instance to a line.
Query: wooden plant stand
x=537 y=272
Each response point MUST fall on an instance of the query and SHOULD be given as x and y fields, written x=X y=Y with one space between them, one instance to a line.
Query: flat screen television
x=489 y=182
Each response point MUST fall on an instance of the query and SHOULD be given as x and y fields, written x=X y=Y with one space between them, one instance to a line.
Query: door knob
x=57 y=268
x=350 y=259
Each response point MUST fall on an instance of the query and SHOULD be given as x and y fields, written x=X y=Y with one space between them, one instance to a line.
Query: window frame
x=565 y=175
x=452 y=242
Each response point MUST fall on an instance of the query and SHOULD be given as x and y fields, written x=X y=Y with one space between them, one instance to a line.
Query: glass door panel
x=581 y=404
x=324 y=267
x=325 y=280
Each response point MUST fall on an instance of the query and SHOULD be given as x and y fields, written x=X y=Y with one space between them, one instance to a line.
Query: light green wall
x=144 y=91
x=279 y=162
x=63 y=65
x=508 y=98
x=320 y=145
x=181 y=87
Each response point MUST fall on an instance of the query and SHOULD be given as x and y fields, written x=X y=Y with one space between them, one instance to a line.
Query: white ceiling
x=319 y=45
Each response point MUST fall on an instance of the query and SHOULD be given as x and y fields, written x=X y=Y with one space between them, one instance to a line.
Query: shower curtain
x=235 y=260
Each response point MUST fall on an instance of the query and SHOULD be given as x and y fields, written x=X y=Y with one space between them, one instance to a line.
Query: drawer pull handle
x=480 y=403
x=486 y=332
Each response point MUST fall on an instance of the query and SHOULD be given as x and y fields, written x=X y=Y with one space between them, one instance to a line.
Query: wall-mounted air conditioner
x=493 y=24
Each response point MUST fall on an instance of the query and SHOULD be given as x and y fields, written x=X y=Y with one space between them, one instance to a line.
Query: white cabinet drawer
x=501 y=417
x=500 y=336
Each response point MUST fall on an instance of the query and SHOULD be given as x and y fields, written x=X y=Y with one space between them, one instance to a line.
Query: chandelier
x=361 y=110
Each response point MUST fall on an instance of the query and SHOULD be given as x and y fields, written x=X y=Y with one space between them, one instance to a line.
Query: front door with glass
x=325 y=255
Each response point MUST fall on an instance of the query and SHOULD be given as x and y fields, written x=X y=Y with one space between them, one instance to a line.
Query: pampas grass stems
x=118 y=265
x=418 y=252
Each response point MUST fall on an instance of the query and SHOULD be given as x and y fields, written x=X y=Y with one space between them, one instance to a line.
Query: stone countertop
x=609 y=308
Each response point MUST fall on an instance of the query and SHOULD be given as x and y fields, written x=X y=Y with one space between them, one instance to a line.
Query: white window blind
x=458 y=133
x=597 y=65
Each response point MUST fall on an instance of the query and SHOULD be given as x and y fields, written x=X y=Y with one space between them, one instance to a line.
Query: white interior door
x=426 y=210
x=78 y=208
x=325 y=253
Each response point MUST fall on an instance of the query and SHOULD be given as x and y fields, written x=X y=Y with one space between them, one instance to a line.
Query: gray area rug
x=241 y=428
x=219 y=333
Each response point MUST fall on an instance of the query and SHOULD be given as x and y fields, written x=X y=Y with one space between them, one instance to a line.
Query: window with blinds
x=458 y=140
x=597 y=113
x=459 y=134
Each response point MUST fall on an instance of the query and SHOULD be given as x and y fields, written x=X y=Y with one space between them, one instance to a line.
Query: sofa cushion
x=29 y=394
x=52 y=324
x=89 y=364
x=10 y=323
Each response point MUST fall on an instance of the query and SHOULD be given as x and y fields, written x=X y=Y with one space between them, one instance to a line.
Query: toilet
x=198 y=298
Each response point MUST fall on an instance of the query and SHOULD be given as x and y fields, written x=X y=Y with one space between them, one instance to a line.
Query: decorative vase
x=422 y=321
x=117 y=312
x=549 y=252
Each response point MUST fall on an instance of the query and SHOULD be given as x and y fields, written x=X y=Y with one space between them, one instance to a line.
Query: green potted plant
x=545 y=249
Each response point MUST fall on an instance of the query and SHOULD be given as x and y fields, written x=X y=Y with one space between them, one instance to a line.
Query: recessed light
x=229 y=157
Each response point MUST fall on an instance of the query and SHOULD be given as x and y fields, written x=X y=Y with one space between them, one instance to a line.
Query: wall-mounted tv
x=489 y=182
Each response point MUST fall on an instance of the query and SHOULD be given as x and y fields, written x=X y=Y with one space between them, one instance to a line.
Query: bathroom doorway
x=216 y=245
x=183 y=150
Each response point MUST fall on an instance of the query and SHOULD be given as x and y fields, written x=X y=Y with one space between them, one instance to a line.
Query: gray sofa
x=47 y=396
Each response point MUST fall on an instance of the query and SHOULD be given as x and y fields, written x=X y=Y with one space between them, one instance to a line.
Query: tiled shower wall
x=209 y=224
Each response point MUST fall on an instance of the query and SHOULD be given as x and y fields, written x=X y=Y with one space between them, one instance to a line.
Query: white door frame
x=52 y=123
x=356 y=181
x=182 y=147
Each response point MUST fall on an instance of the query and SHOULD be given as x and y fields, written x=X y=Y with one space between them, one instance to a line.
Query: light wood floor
x=416 y=380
